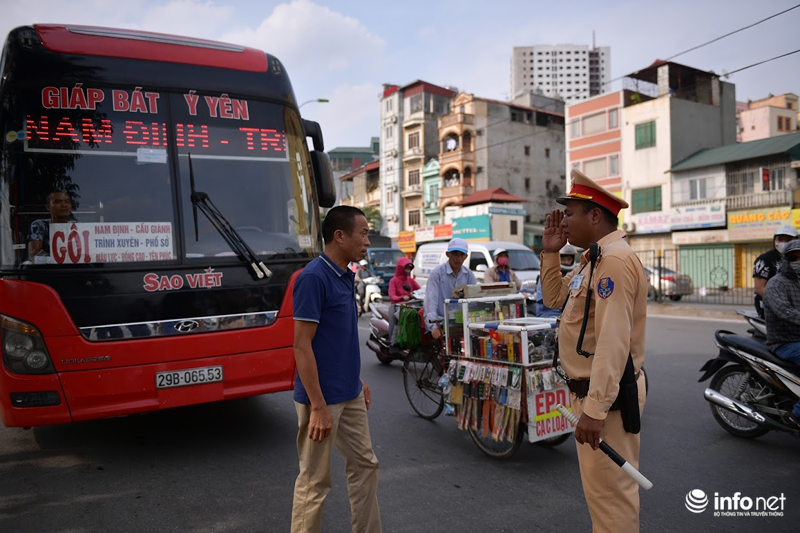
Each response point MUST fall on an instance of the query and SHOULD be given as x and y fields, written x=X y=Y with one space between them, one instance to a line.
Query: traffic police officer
x=602 y=350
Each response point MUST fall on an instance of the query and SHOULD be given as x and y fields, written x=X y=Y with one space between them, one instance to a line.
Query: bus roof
x=134 y=44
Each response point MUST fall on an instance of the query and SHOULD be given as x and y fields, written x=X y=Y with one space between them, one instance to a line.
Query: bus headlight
x=24 y=351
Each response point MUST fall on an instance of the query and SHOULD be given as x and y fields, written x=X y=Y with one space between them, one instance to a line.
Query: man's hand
x=406 y=297
x=367 y=394
x=437 y=333
x=319 y=423
x=553 y=238
x=588 y=431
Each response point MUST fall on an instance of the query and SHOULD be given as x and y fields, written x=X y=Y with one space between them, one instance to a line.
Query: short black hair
x=609 y=217
x=341 y=217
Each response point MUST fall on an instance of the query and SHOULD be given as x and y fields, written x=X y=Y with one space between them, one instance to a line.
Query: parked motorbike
x=752 y=390
x=380 y=335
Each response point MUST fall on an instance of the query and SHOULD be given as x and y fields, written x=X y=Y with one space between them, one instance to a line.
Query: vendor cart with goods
x=494 y=373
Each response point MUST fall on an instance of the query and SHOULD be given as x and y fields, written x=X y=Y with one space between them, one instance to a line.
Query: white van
x=522 y=260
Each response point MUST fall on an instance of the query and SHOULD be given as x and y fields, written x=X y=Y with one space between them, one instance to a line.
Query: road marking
x=702 y=319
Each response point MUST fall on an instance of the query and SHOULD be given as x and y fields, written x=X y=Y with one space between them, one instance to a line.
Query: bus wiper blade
x=201 y=200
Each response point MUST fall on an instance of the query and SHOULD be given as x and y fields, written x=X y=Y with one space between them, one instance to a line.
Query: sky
x=345 y=50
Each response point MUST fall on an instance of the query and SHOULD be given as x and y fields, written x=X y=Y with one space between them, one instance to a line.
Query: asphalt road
x=230 y=467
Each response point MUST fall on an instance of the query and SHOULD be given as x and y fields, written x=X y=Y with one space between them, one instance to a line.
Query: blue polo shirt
x=324 y=293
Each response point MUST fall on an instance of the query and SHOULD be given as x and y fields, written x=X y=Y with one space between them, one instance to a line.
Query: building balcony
x=459 y=191
x=461 y=158
x=412 y=154
x=412 y=190
x=456 y=118
x=762 y=199
x=374 y=197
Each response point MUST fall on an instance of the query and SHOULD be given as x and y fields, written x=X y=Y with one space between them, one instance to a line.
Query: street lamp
x=320 y=100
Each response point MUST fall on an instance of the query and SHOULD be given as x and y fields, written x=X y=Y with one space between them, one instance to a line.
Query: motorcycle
x=379 y=331
x=752 y=390
x=372 y=294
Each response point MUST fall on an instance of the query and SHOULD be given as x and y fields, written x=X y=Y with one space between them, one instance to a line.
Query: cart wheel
x=502 y=449
x=552 y=442
x=421 y=373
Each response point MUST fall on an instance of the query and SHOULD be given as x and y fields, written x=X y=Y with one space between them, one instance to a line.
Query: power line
x=732 y=33
x=760 y=63
x=695 y=48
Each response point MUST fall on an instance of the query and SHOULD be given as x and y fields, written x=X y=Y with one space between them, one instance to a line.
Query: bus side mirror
x=323 y=176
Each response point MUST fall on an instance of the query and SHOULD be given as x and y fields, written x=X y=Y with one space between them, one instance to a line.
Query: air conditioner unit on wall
x=394 y=119
x=426 y=204
x=393 y=153
x=629 y=227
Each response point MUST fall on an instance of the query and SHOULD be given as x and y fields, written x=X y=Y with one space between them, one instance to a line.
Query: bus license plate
x=190 y=376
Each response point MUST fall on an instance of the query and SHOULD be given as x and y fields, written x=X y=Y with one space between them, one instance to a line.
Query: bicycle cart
x=495 y=374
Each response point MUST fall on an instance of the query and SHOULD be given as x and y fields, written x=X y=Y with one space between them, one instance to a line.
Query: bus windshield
x=101 y=176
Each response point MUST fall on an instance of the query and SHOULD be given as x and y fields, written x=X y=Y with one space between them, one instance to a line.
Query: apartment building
x=594 y=138
x=670 y=112
x=571 y=72
x=768 y=117
x=489 y=143
x=409 y=138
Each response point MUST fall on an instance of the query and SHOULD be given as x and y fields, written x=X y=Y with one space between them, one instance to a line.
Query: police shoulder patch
x=605 y=287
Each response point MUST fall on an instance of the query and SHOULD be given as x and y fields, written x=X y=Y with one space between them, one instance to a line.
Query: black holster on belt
x=628 y=399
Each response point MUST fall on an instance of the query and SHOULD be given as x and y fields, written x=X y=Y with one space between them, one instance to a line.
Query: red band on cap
x=595 y=196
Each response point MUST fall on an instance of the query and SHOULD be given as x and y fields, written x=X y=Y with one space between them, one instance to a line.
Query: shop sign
x=796 y=218
x=656 y=222
x=434 y=233
x=423 y=234
x=443 y=231
x=711 y=236
x=507 y=211
x=698 y=216
x=406 y=242
x=546 y=422
x=477 y=228
x=757 y=224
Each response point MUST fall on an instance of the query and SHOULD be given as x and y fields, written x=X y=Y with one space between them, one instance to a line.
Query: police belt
x=580 y=388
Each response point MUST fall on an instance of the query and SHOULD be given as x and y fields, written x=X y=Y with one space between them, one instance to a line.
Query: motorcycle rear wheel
x=728 y=381
x=421 y=373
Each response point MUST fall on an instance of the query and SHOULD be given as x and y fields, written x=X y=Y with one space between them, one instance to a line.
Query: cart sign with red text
x=544 y=421
x=117 y=242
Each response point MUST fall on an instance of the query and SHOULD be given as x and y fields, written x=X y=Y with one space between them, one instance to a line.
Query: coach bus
x=157 y=198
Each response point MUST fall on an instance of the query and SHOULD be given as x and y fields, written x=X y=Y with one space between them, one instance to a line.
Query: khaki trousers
x=611 y=495
x=350 y=435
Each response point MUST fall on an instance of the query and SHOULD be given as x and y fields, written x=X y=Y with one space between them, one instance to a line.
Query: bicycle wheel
x=497 y=449
x=421 y=373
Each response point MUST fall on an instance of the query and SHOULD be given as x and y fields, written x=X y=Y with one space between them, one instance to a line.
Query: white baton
x=643 y=482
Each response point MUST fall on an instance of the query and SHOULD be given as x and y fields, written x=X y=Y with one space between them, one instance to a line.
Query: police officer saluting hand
x=601 y=344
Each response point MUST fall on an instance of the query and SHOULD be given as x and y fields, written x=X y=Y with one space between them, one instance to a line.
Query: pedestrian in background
x=330 y=398
x=602 y=351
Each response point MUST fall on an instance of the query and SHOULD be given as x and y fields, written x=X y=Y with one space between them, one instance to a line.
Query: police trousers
x=611 y=495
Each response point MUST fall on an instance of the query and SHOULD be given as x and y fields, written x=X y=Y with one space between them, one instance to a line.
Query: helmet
x=568 y=251
x=786 y=229
x=363 y=263
x=499 y=251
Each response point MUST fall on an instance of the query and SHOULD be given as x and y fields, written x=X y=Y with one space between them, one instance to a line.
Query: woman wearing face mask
x=402 y=284
x=501 y=271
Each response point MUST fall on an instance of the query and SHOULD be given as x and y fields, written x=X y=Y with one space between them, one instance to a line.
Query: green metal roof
x=788 y=144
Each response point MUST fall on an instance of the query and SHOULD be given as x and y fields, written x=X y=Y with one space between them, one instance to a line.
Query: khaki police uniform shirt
x=616 y=322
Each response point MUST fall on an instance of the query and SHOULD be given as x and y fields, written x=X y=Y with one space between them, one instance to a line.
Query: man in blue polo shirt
x=443 y=279
x=330 y=398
